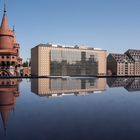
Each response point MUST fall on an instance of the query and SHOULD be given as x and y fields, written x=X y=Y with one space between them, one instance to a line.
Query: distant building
x=10 y=60
x=124 y=64
x=135 y=56
x=66 y=86
x=26 y=71
x=57 y=60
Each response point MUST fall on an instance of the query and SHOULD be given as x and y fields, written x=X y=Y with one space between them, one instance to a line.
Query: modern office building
x=10 y=60
x=124 y=64
x=57 y=87
x=56 y=60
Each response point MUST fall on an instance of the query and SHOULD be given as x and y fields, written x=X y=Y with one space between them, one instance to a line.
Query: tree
x=25 y=64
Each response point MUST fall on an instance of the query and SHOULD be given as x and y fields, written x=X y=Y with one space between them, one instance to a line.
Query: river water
x=70 y=109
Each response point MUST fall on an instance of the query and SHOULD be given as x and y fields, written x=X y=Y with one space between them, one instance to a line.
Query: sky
x=113 y=25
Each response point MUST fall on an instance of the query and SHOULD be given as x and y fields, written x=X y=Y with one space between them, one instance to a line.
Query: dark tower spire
x=4 y=7
x=13 y=28
x=6 y=35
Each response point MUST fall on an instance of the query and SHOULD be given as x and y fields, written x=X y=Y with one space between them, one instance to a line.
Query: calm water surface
x=70 y=109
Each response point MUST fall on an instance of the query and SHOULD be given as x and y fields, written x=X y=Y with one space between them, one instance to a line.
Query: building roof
x=133 y=51
x=69 y=46
x=133 y=54
x=121 y=57
x=4 y=29
x=8 y=51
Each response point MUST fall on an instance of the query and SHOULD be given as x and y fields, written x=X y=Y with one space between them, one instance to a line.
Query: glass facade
x=73 y=63
x=72 y=84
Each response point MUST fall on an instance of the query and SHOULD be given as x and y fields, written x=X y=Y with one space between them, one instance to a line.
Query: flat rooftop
x=69 y=46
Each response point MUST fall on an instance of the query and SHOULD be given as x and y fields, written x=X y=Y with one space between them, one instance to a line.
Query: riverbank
x=76 y=76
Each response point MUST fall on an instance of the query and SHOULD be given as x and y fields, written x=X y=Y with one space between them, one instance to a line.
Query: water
x=70 y=109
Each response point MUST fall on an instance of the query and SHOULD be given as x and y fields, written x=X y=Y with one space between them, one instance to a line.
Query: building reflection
x=66 y=86
x=9 y=90
x=130 y=84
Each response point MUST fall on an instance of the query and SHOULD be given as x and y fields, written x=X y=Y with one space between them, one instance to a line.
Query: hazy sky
x=113 y=25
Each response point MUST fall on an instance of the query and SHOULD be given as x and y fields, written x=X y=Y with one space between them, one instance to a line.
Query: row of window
x=72 y=55
x=7 y=57
x=126 y=73
x=3 y=63
x=7 y=83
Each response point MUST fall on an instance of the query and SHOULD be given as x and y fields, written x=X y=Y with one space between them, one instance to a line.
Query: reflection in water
x=69 y=86
x=130 y=84
x=108 y=116
x=9 y=90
